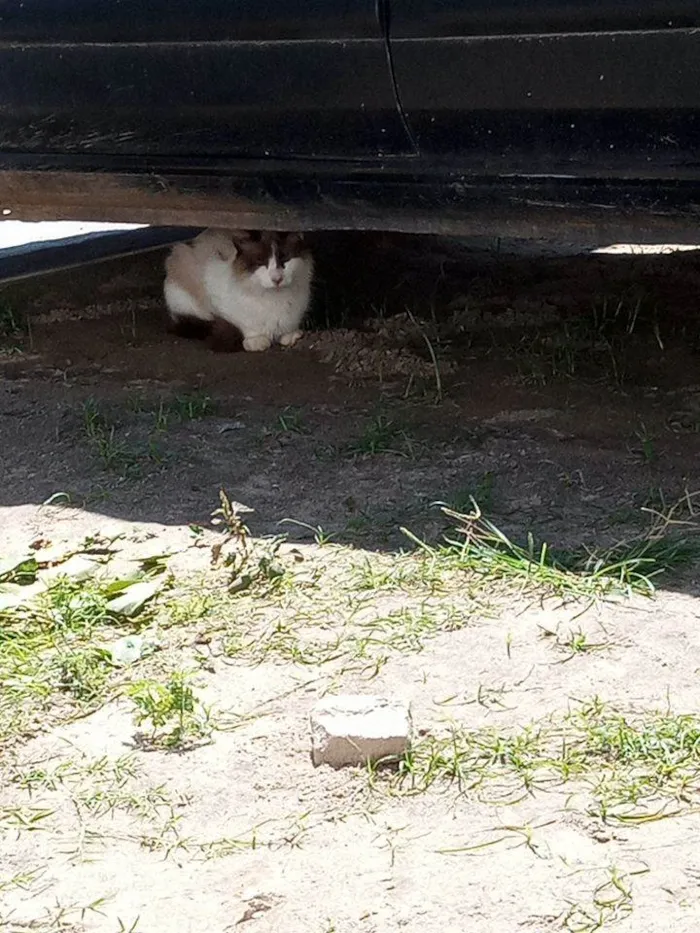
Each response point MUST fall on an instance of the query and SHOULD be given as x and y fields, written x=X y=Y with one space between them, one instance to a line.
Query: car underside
x=436 y=116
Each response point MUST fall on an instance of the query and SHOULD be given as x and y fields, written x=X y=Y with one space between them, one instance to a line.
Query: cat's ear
x=223 y=245
x=294 y=240
x=225 y=252
x=240 y=238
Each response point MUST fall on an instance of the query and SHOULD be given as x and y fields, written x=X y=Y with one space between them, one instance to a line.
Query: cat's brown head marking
x=268 y=255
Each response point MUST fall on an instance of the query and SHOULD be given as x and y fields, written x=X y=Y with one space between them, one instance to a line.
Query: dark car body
x=514 y=117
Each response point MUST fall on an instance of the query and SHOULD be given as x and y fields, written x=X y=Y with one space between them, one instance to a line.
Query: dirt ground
x=554 y=779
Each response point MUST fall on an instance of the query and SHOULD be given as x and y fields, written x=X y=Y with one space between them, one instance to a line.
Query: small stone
x=353 y=730
x=131 y=649
x=230 y=426
x=127 y=650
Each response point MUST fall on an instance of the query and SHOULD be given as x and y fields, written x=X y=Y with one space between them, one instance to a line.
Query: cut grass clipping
x=619 y=768
x=628 y=567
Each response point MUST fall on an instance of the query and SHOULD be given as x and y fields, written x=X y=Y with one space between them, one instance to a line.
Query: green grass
x=481 y=549
x=179 y=409
x=177 y=717
x=376 y=522
x=20 y=573
x=380 y=436
x=482 y=492
x=71 y=606
x=621 y=768
x=22 y=880
x=598 y=344
x=115 y=453
x=59 y=919
x=647 y=447
x=337 y=625
x=14 y=327
x=53 y=659
x=642 y=759
x=83 y=672
x=98 y=787
x=102 y=800
x=291 y=421
x=189 y=606
x=610 y=902
x=25 y=819
x=35 y=777
x=321 y=537
x=575 y=642
x=340 y=615
x=333 y=608
x=45 y=649
x=420 y=572
x=11 y=320
x=317 y=612
x=193 y=406
x=439 y=393
x=56 y=633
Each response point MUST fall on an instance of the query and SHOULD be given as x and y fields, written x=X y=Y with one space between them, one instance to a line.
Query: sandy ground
x=563 y=394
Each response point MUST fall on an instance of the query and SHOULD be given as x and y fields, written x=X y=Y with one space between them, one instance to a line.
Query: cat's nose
x=277 y=275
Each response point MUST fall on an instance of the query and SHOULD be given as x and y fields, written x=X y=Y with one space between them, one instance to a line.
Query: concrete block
x=352 y=730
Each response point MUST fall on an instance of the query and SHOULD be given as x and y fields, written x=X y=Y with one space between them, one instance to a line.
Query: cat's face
x=270 y=260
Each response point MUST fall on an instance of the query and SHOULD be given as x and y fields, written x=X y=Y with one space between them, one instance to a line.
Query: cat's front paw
x=288 y=340
x=256 y=344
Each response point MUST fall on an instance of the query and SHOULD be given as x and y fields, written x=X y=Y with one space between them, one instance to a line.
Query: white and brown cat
x=239 y=287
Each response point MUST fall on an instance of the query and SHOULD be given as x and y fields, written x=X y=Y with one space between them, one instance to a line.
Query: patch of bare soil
x=554 y=783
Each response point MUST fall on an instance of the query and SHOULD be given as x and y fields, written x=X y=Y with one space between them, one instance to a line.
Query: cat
x=239 y=287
